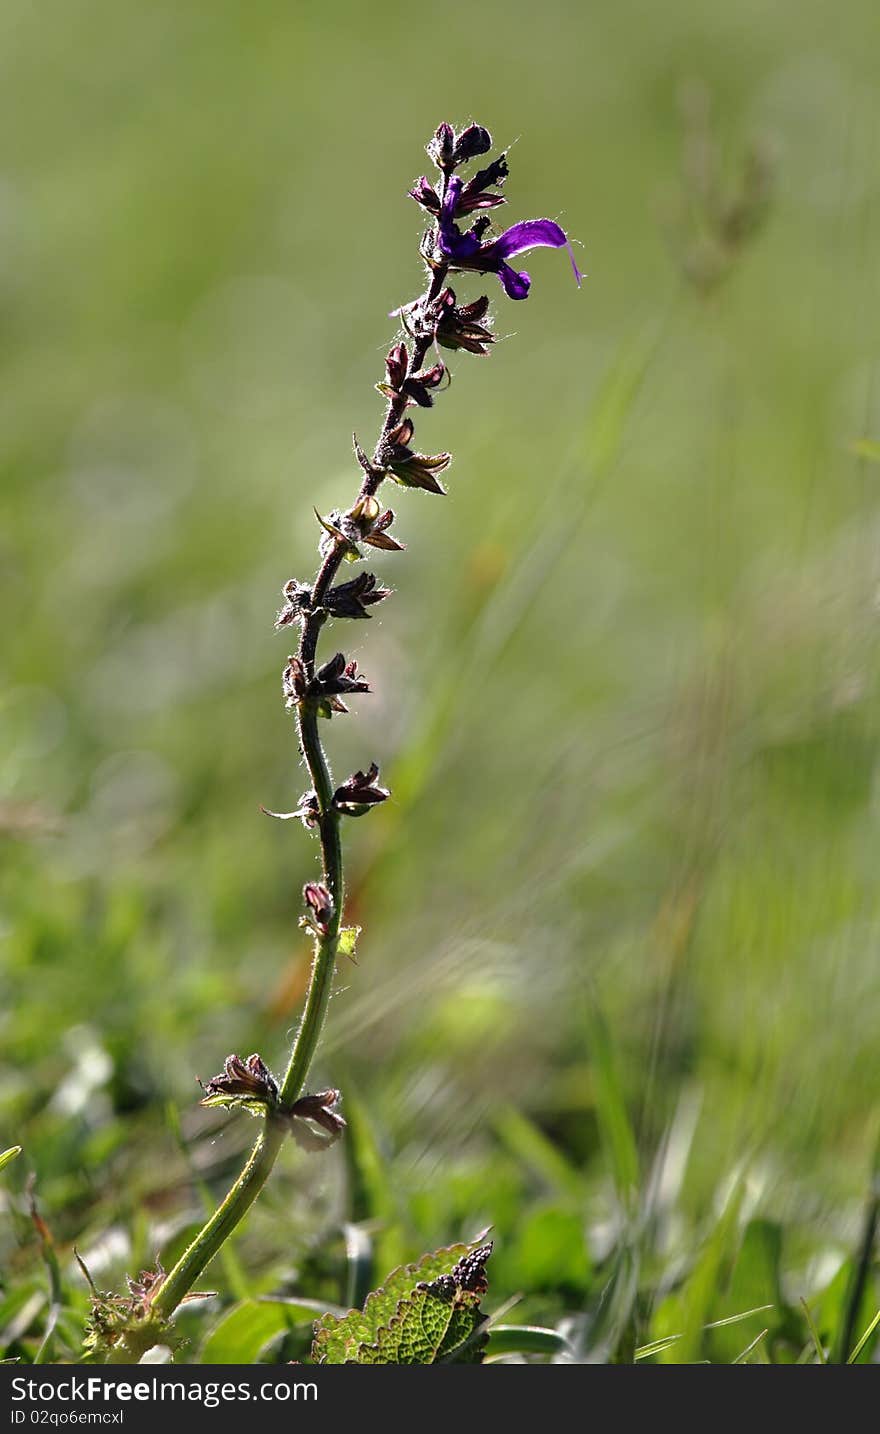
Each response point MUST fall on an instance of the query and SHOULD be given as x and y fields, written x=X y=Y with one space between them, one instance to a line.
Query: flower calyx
x=335 y=677
x=360 y=792
x=312 y=1111
x=408 y=468
x=412 y=388
x=243 y=1084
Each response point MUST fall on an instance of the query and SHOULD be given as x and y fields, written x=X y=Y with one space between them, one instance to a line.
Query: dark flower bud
x=396 y=365
x=424 y=193
x=321 y=1110
x=294 y=682
x=441 y=147
x=352 y=599
x=403 y=433
x=320 y=904
x=475 y=311
x=247 y=1083
x=360 y=792
x=472 y=141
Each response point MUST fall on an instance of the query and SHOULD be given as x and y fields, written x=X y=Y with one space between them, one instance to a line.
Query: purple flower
x=467 y=251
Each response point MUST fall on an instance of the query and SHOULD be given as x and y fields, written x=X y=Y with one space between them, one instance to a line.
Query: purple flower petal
x=516 y=285
x=534 y=234
x=446 y=228
x=455 y=245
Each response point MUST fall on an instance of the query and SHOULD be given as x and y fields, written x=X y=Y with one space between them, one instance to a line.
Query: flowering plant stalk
x=122 y=1328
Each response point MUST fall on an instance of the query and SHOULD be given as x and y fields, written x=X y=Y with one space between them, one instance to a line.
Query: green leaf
x=866 y=448
x=833 y=1312
x=346 y=942
x=551 y=1251
x=373 y=1197
x=614 y=1122
x=245 y=1332
x=755 y=1281
x=685 y=1314
x=525 y=1339
x=248 y=1103
x=430 y=1329
x=7 y=1156
x=404 y=1324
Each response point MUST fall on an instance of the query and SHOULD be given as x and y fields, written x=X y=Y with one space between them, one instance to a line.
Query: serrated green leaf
x=337 y=1341
x=244 y=1332
x=7 y=1156
x=430 y=1329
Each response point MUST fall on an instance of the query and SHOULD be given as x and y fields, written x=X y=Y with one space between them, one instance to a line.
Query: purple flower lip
x=466 y=251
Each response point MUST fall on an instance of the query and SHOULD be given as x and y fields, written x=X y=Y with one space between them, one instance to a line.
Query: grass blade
x=862 y=1266
x=817 y=1343
x=741 y=1358
x=864 y=1339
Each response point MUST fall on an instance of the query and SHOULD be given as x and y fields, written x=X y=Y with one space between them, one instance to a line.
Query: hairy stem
x=253 y=1177
x=221 y=1224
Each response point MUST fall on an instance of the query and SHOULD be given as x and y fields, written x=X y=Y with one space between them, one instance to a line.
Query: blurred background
x=620 y=950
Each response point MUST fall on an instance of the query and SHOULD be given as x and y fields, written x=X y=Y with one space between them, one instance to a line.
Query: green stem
x=256 y=1172
x=223 y=1221
x=262 y=1158
x=320 y=985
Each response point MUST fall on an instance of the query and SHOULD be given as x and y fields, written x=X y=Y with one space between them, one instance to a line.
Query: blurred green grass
x=626 y=694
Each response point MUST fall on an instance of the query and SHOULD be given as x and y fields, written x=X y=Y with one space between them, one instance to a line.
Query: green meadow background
x=619 y=982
